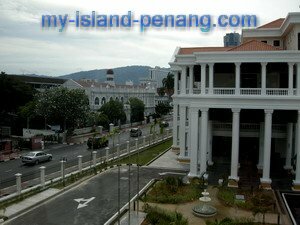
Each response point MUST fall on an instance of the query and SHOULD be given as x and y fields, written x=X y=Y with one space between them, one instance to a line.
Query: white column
x=191 y=85
x=42 y=173
x=298 y=78
x=127 y=147
x=203 y=140
x=136 y=144
x=18 y=183
x=118 y=150
x=209 y=143
x=289 y=146
x=235 y=144
x=263 y=78
x=183 y=81
x=79 y=163
x=194 y=142
x=297 y=178
x=261 y=147
x=175 y=129
x=267 y=147
x=182 y=131
x=62 y=169
x=211 y=78
x=107 y=154
x=237 y=78
x=94 y=158
x=176 y=83
x=203 y=78
x=291 y=78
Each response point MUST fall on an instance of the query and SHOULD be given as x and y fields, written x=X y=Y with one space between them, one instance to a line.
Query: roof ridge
x=254 y=41
x=272 y=23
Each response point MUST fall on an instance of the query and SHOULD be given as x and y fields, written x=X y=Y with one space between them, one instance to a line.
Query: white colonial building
x=241 y=104
x=100 y=93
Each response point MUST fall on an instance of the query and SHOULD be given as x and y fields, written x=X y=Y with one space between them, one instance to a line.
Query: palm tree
x=168 y=83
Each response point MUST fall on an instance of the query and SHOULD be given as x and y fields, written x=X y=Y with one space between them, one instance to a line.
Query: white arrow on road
x=85 y=202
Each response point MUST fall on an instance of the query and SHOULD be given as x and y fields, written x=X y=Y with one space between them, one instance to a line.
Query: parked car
x=97 y=142
x=36 y=157
x=164 y=124
x=135 y=132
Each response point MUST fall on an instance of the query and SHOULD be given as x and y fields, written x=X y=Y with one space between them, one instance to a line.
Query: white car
x=36 y=157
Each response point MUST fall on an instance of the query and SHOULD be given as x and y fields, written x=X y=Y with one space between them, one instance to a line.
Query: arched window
x=111 y=98
x=96 y=101
x=117 y=99
x=103 y=101
x=122 y=99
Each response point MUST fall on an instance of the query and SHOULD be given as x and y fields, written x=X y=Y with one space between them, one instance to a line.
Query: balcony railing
x=248 y=126
x=247 y=91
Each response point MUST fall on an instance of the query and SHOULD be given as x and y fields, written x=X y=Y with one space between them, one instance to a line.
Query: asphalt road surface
x=10 y=168
x=92 y=202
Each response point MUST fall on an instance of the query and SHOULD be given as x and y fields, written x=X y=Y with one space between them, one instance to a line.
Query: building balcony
x=248 y=91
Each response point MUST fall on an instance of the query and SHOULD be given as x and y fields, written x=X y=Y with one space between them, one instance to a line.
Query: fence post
x=42 y=169
x=18 y=183
x=118 y=151
x=107 y=154
x=94 y=158
x=137 y=144
x=128 y=147
x=62 y=170
x=167 y=133
x=144 y=141
x=79 y=163
x=111 y=127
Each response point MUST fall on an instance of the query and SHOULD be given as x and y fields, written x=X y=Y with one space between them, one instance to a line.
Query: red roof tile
x=254 y=45
x=274 y=24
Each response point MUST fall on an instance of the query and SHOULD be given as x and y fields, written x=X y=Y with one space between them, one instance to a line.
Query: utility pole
x=129 y=165
x=119 y=195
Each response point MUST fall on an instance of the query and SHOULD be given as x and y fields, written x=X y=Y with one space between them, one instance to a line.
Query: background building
x=232 y=39
x=100 y=93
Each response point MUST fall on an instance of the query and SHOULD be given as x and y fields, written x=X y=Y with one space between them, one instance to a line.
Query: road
x=10 y=168
x=92 y=202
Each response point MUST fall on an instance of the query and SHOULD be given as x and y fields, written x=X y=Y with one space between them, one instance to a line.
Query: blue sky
x=27 y=48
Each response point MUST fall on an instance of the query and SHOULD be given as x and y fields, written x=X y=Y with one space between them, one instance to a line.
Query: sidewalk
x=18 y=208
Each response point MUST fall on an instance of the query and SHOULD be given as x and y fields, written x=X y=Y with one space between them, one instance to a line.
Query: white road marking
x=7 y=171
x=85 y=202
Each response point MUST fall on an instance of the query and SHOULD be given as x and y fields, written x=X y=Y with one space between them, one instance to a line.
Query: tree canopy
x=114 y=110
x=13 y=93
x=63 y=106
x=162 y=108
x=137 y=108
x=168 y=84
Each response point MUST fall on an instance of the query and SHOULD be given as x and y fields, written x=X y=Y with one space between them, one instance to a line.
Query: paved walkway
x=169 y=160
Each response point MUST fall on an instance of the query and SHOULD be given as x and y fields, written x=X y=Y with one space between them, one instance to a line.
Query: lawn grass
x=147 y=155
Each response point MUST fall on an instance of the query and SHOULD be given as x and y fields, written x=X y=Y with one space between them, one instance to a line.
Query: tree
x=63 y=106
x=102 y=120
x=28 y=112
x=13 y=94
x=137 y=108
x=168 y=84
x=161 y=91
x=114 y=110
x=162 y=108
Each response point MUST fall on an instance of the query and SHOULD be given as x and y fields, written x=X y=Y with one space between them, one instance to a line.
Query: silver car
x=36 y=157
